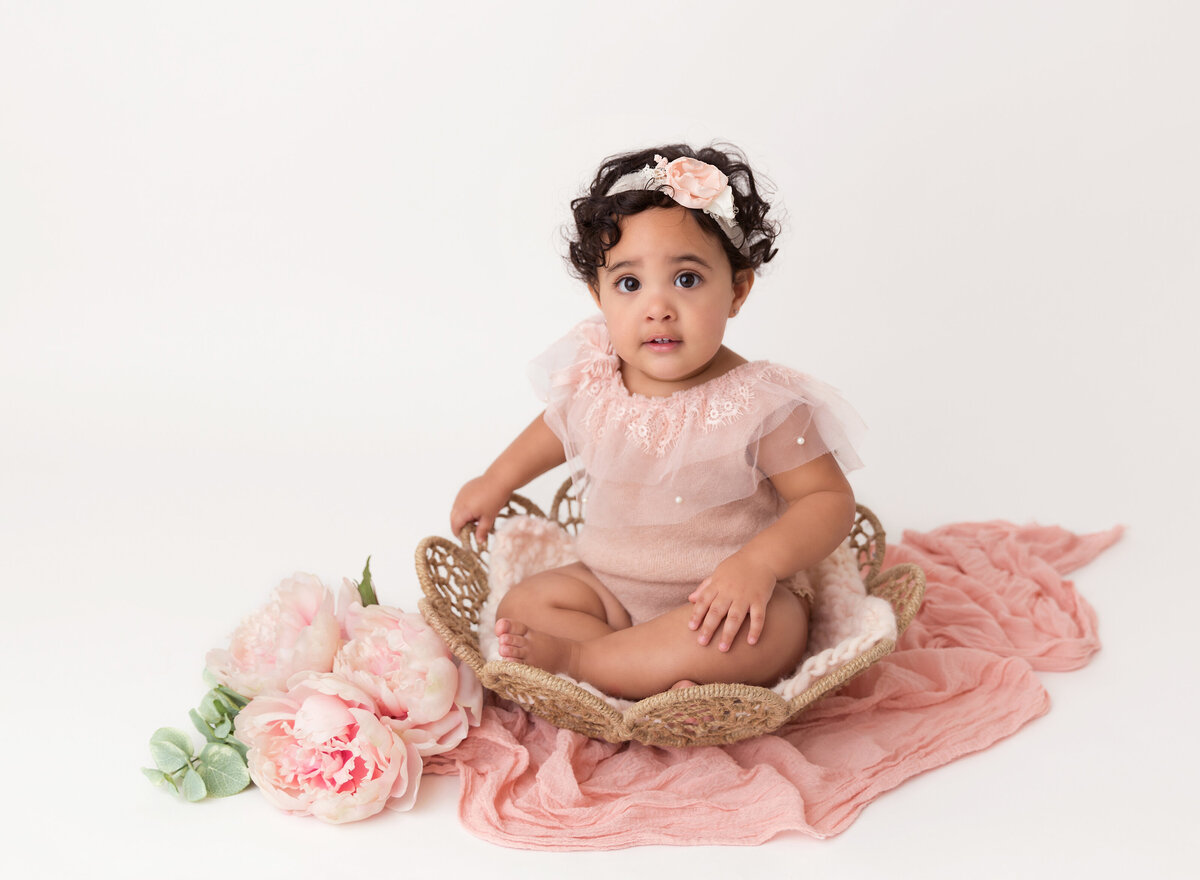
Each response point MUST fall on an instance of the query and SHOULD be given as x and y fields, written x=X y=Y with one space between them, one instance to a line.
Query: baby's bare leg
x=567 y=602
x=646 y=659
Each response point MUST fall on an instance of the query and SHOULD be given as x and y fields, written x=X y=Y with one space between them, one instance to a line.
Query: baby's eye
x=687 y=279
x=628 y=284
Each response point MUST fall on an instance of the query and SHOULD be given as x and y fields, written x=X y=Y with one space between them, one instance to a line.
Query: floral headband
x=693 y=184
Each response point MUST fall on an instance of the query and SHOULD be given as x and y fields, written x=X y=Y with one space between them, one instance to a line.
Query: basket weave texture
x=454 y=578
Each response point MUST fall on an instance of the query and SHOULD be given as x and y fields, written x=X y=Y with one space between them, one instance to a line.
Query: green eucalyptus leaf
x=224 y=770
x=193 y=786
x=237 y=745
x=210 y=708
x=222 y=730
x=210 y=680
x=233 y=698
x=366 y=588
x=206 y=729
x=167 y=756
x=175 y=737
x=157 y=776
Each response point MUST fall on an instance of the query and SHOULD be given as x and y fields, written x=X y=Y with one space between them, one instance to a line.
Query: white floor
x=269 y=276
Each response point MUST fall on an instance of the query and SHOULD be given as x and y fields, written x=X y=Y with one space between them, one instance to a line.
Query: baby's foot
x=534 y=647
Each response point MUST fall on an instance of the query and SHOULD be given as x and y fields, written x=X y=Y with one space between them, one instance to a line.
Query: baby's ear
x=595 y=292
x=743 y=280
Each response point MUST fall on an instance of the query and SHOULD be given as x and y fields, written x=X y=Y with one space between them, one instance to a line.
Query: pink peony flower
x=694 y=184
x=321 y=750
x=349 y=607
x=295 y=632
x=406 y=667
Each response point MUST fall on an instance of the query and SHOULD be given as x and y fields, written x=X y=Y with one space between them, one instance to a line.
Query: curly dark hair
x=597 y=216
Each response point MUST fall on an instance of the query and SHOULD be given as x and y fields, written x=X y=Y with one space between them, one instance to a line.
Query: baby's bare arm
x=819 y=516
x=535 y=451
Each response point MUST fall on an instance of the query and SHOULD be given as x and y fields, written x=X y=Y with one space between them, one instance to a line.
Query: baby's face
x=666 y=292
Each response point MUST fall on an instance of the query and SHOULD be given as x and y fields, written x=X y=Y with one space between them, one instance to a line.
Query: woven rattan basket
x=454 y=578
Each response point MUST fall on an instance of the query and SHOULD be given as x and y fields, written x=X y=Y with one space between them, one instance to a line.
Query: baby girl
x=709 y=482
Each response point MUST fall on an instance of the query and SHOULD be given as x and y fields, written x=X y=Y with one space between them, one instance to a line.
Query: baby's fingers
x=482 y=527
x=758 y=618
x=701 y=600
x=733 y=622
x=712 y=620
x=462 y=514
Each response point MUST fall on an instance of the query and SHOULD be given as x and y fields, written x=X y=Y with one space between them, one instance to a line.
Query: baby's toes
x=513 y=642
x=508 y=626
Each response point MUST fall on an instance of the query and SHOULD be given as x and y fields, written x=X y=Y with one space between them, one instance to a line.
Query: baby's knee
x=550 y=591
x=519 y=600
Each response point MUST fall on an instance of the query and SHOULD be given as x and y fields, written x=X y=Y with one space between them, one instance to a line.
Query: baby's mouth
x=661 y=343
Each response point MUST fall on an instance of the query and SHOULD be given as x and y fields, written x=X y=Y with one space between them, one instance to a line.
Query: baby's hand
x=478 y=501
x=739 y=585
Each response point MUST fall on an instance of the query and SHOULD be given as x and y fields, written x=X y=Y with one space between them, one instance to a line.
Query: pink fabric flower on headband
x=694 y=184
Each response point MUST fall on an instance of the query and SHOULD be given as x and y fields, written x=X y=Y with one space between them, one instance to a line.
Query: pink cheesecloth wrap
x=996 y=609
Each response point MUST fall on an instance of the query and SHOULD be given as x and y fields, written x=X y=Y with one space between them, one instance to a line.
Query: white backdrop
x=270 y=274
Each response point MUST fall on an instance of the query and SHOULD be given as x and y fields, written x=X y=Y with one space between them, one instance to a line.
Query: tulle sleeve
x=816 y=421
x=579 y=361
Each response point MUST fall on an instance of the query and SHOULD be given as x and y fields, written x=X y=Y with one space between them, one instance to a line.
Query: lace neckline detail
x=656 y=424
x=601 y=355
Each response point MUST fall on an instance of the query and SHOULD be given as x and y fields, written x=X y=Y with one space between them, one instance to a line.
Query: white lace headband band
x=693 y=184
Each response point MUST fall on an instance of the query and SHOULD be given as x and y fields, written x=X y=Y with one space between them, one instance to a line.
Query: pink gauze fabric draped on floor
x=996 y=608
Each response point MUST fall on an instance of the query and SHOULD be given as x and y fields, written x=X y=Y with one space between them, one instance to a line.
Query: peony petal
x=333 y=685
x=437 y=737
x=316 y=645
x=322 y=717
x=470 y=694
x=303 y=595
x=349 y=608
x=406 y=786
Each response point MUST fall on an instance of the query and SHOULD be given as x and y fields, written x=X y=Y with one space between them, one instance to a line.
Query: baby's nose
x=660 y=305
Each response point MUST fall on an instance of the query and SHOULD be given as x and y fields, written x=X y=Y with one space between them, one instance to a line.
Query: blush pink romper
x=671 y=486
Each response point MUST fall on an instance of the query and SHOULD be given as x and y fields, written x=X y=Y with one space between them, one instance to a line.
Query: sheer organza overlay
x=640 y=460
